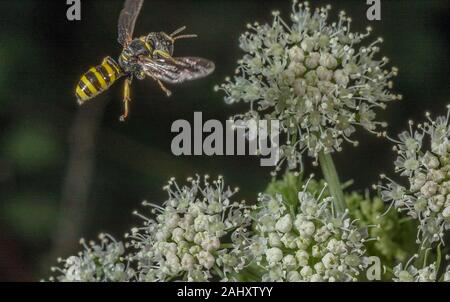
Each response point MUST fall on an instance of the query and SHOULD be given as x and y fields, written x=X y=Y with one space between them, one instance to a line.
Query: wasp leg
x=126 y=99
x=161 y=85
x=165 y=55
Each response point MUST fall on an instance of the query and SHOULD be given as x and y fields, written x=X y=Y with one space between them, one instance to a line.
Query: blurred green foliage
x=32 y=215
x=395 y=233
x=32 y=147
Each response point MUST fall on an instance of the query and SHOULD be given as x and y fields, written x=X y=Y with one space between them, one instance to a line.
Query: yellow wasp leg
x=167 y=91
x=161 y=85
x=161 y=53
x=126 y=99
x=165 y=55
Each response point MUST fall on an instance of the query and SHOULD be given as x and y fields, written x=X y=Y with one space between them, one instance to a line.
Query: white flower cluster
x=198 y=235
x=424 y=158
x=410 y=273
x=314 y=77
x=97 y=263
x=306 y=242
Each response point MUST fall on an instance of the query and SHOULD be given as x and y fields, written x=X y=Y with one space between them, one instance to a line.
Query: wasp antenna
x=178 y=31
x=184 y=37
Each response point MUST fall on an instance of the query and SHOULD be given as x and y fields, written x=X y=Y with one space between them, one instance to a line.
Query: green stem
x=332 y=179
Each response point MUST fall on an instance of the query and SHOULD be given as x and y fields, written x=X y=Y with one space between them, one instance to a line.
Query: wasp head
x=161 y=41
x=164 y=43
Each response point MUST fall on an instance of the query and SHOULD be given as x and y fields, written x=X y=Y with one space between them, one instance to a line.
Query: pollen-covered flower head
x=102 y=262
x=424 y=159
x=306 y=241
x=198 y=234
x=315 y=76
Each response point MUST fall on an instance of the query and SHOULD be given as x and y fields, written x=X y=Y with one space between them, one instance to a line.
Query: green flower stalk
x=332 y=178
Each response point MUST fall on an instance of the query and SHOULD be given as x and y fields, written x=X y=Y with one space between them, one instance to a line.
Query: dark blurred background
x=69 y=172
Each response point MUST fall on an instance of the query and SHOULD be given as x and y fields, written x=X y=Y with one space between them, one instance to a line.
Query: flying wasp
x=146 y=56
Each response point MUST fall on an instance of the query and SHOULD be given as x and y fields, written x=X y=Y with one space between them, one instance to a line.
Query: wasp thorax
x=128 y=60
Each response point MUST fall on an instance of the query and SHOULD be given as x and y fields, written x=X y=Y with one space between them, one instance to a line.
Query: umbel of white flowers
x=102 y=262
x=424 y=159
x=199 y=234
x=306 y=241
x=315 y=77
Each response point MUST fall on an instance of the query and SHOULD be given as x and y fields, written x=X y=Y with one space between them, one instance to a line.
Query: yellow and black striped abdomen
x=97 y=80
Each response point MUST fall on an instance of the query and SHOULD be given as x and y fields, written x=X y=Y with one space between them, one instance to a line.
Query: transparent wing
x=178 y=71
x=127 y=20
